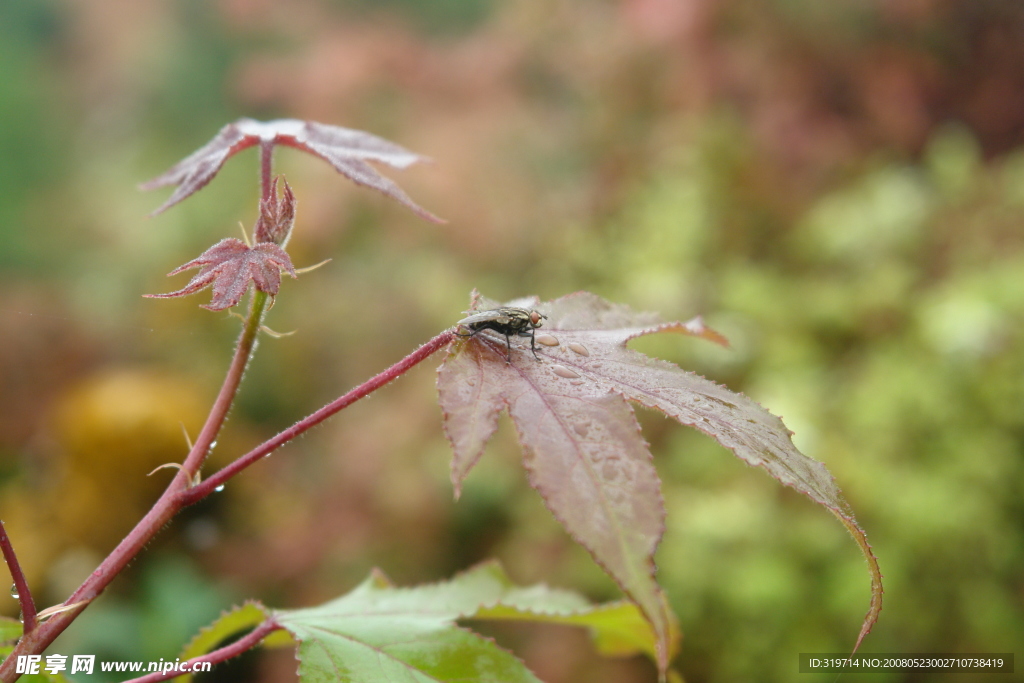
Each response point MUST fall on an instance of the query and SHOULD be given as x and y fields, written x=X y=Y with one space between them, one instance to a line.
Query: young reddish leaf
x=277 y=216
x=229 y=266
x=192 y=173
x=345 y=149
x=348 y=150
x=581 y=441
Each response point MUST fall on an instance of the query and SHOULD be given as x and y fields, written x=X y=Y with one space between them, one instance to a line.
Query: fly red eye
x=534 y=317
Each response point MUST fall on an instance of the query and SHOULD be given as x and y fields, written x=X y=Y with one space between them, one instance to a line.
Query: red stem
x=39 y=638
x=28 y=605
x=246 y=642
x=179 y=494
x=219 y=412
x=203 y=489
x=266 y=168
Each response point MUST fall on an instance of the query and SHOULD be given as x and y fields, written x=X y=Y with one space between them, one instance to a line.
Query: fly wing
x=476 y=317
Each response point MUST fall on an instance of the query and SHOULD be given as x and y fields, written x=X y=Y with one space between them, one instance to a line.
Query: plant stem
x=266 y=168
x=244 y=349
x=28 y=605
x=246 y=642
x=204 y=488
x=180 y=492
x=168 y=505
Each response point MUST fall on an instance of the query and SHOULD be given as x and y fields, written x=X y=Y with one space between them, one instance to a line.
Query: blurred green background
x=838 y=187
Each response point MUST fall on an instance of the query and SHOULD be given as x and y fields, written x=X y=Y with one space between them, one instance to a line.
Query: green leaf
x=619 y=629
x=10 y=629
x=380 y=632
x=228 y=624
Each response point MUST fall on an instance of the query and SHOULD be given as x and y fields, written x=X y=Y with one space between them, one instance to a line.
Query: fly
x=507 y=320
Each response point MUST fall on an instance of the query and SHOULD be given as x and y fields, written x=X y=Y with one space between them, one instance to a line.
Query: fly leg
x=533 y=342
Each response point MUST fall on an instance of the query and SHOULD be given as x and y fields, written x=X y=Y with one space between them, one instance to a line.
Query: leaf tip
x=378 y=579
x=437 y=220
x=697 y=328
x=159 y=210
x=153 y=183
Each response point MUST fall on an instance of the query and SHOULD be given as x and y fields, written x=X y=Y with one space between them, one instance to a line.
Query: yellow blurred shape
x=90 y=486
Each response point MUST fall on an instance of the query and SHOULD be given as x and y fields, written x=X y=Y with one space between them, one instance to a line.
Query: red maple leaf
x=346 y=149
x=229 y=266
x=581 y=441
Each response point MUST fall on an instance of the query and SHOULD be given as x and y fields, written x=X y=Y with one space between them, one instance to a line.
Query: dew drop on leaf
x=219 y=488
x=563 y=371
x=546 y=340
x=14 y=592
x=579 y=348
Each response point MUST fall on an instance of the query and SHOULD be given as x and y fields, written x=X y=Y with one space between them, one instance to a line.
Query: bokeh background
x=837 y=186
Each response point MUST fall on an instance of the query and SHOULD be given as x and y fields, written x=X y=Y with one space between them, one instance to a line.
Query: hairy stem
x=266 y=168
x=28 y=605
x=204 y=488
x=246 y=642
x=180 y=493
x=168 y=505
x=215 y=420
